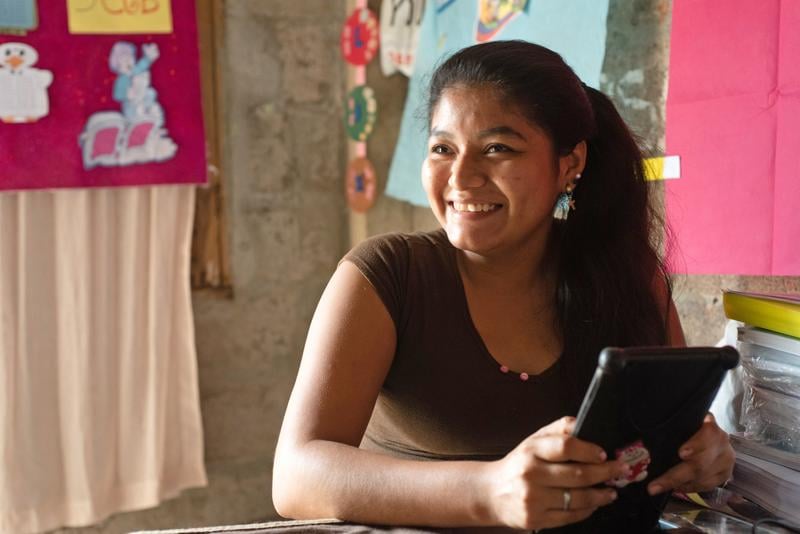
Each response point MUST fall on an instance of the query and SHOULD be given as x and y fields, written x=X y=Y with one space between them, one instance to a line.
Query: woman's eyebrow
x=501 y=130
x=497 y=130
x=436 y=132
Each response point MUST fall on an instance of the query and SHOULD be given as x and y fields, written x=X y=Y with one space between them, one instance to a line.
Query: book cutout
x=136 y=133
x=23 y=88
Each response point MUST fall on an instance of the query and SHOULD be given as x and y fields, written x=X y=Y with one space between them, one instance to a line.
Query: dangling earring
x=564 y=203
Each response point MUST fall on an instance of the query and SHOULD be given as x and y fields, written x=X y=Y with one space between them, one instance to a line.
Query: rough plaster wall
x=635 y=77
x=284 y=84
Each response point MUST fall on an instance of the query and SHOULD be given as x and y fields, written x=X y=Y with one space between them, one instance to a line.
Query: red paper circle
x=359 y=41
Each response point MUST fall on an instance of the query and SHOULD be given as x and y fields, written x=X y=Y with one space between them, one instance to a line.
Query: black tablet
x=642 y=405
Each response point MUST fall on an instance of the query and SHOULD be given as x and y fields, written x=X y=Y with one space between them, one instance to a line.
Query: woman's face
x=491 y=176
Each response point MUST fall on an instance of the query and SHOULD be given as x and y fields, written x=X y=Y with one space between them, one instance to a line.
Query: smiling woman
x=472 y=345
x=490 y=176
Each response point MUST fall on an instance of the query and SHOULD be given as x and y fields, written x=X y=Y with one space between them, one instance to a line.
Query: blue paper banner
x=576 y=29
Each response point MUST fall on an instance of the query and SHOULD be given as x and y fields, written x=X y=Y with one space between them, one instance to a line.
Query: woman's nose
x=466 y=173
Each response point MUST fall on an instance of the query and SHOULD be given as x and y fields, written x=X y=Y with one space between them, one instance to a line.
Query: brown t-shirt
x=445 y=396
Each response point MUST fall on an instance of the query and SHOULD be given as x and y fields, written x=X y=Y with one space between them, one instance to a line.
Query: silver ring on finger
x=567 y=499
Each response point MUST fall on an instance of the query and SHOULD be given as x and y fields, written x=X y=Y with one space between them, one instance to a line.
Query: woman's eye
x=497 y=148
x=439 y=149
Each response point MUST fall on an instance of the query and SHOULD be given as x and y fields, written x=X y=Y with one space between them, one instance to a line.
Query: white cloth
x=99 y=403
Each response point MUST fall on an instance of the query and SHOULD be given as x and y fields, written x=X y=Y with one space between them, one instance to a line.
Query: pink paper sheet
x=46 y=154
x=733 y=116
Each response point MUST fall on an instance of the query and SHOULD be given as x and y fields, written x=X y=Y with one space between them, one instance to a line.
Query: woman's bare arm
x=319 y=471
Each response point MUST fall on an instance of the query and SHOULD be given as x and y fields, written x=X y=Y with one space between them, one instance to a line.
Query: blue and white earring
x=565 y=203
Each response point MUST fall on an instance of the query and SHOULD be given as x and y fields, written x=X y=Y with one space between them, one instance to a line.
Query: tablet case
x=642 y=405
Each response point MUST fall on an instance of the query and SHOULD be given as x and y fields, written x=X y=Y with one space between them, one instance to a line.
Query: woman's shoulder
x=399 y=247
x=394 y=264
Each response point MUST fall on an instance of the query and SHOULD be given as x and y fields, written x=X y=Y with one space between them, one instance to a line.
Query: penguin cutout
x=23 y=88
x=360 y=185
x=360 y=113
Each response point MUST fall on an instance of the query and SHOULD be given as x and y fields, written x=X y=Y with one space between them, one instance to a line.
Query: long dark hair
x=609 y=268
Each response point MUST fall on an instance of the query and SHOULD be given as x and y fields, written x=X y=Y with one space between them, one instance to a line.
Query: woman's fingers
x=678 y=476
x=708 y=460
x=575 y=475
x=709 y=435
x=720 y=477
x=579 y=499
x=699 y=473
x=565 y=448
x=565 y=425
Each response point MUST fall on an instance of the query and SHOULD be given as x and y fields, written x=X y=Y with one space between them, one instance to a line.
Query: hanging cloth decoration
x=105 y=109
x=400 y=21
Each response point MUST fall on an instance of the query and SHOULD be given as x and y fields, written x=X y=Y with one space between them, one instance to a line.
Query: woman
x=475 y=342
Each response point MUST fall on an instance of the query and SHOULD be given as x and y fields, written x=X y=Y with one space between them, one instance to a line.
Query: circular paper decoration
x=360 y=113
x=360 y=185
x=359 y=40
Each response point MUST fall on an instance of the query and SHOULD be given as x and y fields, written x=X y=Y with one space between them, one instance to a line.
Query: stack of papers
x=772 y=486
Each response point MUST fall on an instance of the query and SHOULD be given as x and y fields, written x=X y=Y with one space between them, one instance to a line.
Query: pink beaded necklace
x=522 y=376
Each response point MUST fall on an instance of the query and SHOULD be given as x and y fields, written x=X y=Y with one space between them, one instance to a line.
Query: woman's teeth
x=458 y=206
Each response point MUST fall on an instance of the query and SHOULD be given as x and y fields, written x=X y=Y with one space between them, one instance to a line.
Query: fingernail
x=612 y=495
x=603 y=456
x=685 y=453
x=655 y=489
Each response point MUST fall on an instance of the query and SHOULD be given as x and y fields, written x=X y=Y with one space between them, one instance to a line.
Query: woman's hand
x=707 y=462
x=547 y=480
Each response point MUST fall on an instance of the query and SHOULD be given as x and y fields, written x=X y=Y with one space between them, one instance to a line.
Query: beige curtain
x=99 y=407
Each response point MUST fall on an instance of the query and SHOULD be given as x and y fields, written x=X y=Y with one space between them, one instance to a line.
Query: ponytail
x=608 y=264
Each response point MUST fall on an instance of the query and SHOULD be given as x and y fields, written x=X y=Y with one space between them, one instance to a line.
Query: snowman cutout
x=23 y=88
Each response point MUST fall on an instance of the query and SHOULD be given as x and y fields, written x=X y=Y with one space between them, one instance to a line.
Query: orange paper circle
x=360 y=185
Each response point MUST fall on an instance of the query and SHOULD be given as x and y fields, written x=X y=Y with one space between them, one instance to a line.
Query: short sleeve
x=384 y=262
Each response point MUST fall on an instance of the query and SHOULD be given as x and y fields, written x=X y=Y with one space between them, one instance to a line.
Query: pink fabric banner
x=733 y=117
x=101 y=110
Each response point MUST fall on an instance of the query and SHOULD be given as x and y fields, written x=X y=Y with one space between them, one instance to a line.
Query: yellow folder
x=779 y=313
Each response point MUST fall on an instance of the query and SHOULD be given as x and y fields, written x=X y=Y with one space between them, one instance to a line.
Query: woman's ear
x=572 y=164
